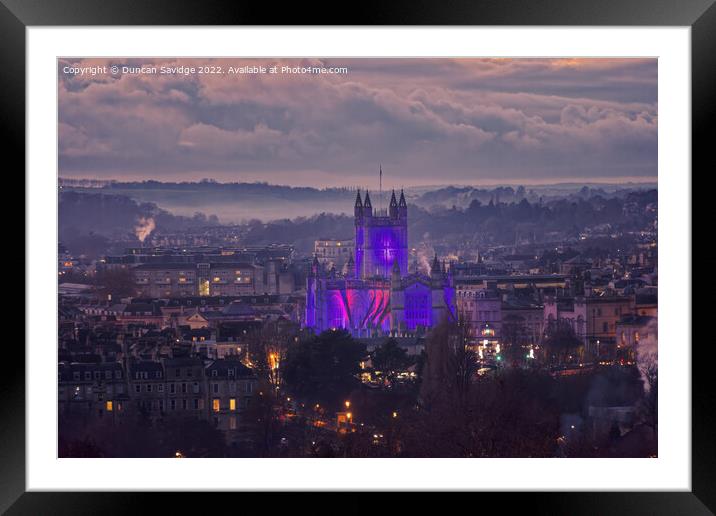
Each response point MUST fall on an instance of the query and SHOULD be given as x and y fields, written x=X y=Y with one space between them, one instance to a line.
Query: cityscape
x=363 y=258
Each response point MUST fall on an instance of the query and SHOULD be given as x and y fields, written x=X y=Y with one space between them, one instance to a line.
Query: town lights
x=349 y=415
x=348 y=404
x=395 y=414
x=178 y=455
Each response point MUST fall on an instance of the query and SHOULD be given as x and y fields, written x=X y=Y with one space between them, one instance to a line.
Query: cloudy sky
x=427 y=121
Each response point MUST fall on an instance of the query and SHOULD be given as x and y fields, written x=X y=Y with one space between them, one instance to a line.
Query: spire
x=349 y=268
x=366 y=203
x=358 y=209
x=402 y=206
x=435 y=267
x=396 y=266
x=393 y=206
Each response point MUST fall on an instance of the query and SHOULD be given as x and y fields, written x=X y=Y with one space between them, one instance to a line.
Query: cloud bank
x=427 y=121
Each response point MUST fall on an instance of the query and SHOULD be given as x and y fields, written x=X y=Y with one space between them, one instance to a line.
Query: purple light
x=361 y=301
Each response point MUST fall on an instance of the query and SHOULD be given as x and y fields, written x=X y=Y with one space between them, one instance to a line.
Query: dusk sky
x=427 y=121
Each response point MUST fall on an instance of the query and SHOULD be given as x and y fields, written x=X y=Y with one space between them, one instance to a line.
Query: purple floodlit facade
x=377 y=295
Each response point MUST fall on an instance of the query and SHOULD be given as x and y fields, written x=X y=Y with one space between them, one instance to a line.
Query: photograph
x=379 y=257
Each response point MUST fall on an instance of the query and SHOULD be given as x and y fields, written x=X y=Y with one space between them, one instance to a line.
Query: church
x=376 y=294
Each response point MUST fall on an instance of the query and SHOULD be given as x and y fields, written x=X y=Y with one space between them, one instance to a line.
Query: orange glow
x=273 y=360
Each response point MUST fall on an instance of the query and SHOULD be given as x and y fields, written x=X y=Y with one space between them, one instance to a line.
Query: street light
x=348 y=404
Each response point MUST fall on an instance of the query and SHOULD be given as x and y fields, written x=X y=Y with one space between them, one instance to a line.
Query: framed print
x=419 y=252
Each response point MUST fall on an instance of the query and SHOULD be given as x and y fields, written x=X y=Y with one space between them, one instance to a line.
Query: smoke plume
x=646 y=355
x=144 y=227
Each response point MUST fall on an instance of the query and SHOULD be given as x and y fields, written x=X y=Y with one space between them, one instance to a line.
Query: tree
x=390 y=360
x=267 y=347
x=117 y=283
x=192 y=437
x=450 y=365
x=262 y=418
x=648 y=366
x=462 y=360
x=561 y=341
x=84 y=448
x=513 y=336
x=324 y=368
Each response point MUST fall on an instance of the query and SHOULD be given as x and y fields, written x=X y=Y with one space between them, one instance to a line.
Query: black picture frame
x=700 y=15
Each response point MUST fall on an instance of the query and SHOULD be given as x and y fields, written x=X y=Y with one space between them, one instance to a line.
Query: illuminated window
x=232 y=404
x=108 y=406
x=216 y=405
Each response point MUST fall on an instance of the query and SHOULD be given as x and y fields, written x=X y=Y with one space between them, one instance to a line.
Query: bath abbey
x=376 y=293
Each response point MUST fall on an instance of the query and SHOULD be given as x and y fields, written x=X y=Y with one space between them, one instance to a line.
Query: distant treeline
x=464 y=195
x=256 y=189
x=91 y=220
x=496 y=223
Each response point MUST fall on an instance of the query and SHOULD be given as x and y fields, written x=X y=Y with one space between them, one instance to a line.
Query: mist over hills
x=235 y=203
x=93 y=219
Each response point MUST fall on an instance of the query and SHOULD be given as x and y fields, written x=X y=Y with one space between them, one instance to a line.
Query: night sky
x=427 y=121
